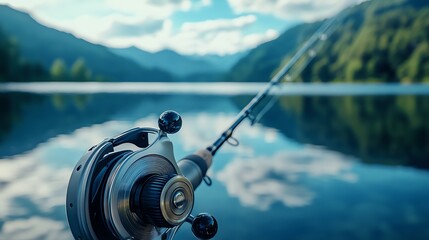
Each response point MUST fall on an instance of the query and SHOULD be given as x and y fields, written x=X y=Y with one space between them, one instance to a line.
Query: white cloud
x=206 y=2
x=219 y=24
x=146 y=24
x=91 y=19
x=222 y=36
x=29 y=5
x=263 y=181
x=123 y=29
x=149 y=8
x=307 y=10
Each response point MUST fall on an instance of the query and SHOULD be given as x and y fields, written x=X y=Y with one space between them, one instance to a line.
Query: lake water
x=335 y=164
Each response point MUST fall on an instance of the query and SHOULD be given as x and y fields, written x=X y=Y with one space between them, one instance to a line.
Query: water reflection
x=35 y=228
x=307 y=191
x=391 y=130
x=263 y=181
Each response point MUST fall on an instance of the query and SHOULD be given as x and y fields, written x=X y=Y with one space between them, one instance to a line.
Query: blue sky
x=186 y=26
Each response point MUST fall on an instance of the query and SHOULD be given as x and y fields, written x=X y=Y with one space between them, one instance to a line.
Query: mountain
x=379 y=41
x=188 y=67
x=168 y=60
x=44 y=45
x=222 y=62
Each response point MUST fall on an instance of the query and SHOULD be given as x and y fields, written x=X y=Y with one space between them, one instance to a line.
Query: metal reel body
x=101 y=187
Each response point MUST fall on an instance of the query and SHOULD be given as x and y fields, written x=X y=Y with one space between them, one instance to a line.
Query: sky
x=185 y=26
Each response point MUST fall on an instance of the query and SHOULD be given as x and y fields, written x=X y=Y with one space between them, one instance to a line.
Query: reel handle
x=194 y=167
x=204 y=225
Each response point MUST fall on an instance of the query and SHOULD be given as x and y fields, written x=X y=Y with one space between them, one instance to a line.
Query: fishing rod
x=131 y=186
x=246 y=113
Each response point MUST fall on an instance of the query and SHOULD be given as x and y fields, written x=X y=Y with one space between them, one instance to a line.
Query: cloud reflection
x=35 y=228
x=261 y=182
x=204 y=128
x=33 y=185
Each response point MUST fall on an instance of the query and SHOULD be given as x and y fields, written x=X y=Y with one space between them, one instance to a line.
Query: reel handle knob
x=204 y=225
x=170 y=122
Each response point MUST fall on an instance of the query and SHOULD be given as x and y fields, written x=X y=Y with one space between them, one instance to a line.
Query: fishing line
x=296 y=66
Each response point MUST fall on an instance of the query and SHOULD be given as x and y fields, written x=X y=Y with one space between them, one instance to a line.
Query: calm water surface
x=278 y=184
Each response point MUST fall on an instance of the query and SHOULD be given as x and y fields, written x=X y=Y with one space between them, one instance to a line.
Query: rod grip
x=194 y=167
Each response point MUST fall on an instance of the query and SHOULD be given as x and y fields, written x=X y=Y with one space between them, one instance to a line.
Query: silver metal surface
x=78 y=193
x=177 y=196
x=157 y=159
x=179 y=199
x=172 y=214
x=118 y=193
x=191 y=171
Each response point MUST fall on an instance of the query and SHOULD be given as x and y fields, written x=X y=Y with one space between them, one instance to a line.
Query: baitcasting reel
x=130 y=187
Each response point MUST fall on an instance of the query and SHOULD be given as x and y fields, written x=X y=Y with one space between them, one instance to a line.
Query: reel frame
x=102 y=184
x=129 y=187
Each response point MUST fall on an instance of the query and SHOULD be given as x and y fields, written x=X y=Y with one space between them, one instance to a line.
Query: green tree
x=80 y=72
x=13 y=67
x=8 y=58
x=59 y=70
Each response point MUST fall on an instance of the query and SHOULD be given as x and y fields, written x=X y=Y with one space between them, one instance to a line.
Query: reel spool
x=130 y=187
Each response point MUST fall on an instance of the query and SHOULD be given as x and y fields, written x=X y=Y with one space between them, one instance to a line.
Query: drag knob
x=204 y=225
x=163 y=200
x=170 y=122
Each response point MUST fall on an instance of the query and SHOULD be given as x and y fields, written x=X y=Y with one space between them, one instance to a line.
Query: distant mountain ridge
x=183 y=66
x=44 y=45
x=224 y=62
x=166 y=60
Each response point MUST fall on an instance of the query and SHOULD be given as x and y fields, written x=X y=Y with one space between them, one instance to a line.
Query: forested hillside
x=47 y=46
x=13 y=67
x=379 y=41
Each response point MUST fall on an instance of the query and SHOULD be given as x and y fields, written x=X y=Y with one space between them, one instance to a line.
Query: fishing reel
x=130 y=187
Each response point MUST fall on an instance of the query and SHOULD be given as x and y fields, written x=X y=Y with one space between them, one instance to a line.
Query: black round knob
x=170 y=122
x=204 y=226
